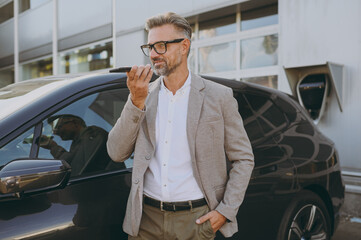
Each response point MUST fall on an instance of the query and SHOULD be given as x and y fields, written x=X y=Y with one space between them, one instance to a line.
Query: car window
x=266 y=151
x=18 y=148
x=288 y=108
x=251 y=125
x=268 y=115
x=78 y=132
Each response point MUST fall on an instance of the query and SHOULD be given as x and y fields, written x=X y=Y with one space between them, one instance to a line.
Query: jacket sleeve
x=122 y=138
x=239 y=151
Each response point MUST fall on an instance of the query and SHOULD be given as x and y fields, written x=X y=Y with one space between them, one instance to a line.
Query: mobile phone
x=121 y=69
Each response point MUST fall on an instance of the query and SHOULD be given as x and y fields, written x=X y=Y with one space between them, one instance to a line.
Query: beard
x=165 y=68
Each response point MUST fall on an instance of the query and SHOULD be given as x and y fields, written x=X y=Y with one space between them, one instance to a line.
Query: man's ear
x=186 y=46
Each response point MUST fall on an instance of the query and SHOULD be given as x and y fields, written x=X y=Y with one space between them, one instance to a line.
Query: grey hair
x=170 y=18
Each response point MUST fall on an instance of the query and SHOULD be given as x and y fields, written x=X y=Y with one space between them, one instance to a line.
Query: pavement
x=349 y=228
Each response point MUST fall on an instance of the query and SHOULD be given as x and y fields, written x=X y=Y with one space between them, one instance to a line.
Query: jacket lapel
x=151 y=111
x=195 y=103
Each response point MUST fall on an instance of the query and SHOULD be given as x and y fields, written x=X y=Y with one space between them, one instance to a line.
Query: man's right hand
x=137 y=82
x=46 y=142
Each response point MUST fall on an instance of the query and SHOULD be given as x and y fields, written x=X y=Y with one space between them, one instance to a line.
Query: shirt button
x=166 y=141
x=169 y=121
x=136 y=181
x=135 y=119
x=164 y=185
x=164 y=164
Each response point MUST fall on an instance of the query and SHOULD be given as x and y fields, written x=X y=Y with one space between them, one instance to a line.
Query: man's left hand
x=217 y=220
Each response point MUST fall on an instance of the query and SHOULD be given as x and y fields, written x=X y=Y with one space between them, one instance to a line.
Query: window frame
x=238 y=36
x=64 y=52
x=35 y=60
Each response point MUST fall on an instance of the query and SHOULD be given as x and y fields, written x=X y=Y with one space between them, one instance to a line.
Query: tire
x=305 y=218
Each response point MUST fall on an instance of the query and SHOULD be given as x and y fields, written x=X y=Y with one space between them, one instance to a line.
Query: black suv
x=53 y=186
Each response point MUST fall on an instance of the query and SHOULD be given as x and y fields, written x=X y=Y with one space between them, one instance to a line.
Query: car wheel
x=305 y=218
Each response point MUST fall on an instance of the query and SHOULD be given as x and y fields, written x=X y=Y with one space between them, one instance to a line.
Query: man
x=87 y=152
x=179 y=128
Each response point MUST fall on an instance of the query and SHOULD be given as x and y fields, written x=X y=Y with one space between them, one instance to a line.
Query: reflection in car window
x=266 y=151
x=18 y=148
x=269 y=116
x=250 y=123
x=78 y=132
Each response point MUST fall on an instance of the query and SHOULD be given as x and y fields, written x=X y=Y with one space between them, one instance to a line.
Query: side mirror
x=20 y=177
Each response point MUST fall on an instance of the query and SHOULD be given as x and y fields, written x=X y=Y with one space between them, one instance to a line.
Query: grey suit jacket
x=214 y=129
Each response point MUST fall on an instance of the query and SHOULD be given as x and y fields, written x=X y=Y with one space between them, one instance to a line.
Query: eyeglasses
x=159 y=47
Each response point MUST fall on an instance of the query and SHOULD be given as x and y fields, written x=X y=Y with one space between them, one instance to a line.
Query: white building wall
x=313 y=32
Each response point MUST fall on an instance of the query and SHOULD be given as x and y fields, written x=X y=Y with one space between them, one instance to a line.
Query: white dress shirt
x=170 y=175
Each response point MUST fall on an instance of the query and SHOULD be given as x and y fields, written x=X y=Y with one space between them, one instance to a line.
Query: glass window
x=217 y=58
x=252 y=127
x=269 y=116
x=259 y=52
x=78 y=133
x=6 y=12
x=37 y=69
x=267 y=81
x=243 y=107
x=6 y=77
x=97 y=57
x=217 y=27
x=265 y=153
x=18 y=148
x=287 y=108
x=260 y=17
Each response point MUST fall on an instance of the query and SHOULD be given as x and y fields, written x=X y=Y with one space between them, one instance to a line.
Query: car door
x=92 y=204
x=273 y=175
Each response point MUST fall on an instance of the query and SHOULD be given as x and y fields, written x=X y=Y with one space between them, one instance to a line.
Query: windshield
x=15 y=96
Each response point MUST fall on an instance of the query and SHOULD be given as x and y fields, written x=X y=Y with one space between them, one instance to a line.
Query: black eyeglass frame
x=152 y=46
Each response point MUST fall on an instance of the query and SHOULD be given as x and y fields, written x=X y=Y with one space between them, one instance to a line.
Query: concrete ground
x=348 y=229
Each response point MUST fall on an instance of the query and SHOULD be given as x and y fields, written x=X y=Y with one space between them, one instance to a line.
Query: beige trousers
x=181 y=225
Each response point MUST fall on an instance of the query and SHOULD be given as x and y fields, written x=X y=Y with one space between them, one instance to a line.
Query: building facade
x=247 y=40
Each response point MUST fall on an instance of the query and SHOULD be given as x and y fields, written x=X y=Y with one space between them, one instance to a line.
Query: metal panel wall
x=35 y=28
x=7 y=38
x=312 y=32
x=82 y=15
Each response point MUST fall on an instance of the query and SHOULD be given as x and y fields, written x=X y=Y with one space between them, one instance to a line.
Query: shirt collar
x=186 y=84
